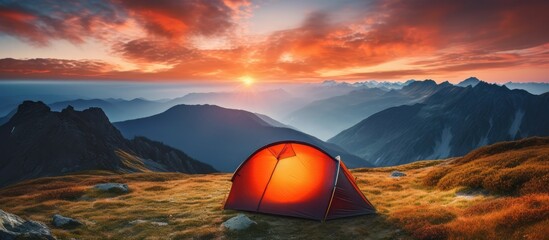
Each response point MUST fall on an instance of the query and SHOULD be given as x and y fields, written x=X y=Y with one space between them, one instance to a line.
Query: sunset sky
x=289 y=41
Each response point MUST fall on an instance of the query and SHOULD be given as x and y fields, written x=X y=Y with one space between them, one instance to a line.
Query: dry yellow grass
x=192 y=206
x=507 y=168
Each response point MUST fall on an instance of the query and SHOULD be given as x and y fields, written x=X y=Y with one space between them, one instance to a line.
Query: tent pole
x=333 y=190
x=267 y=185
x=270 y=177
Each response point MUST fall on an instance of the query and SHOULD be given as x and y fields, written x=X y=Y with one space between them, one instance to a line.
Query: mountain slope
x=37 y=142
x=6 y=118
x=221 y=137
x=451 y=122
x=325 y=118
x=507 y=168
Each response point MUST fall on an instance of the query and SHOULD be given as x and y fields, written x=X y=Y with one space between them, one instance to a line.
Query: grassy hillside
x=420 y=205
x=508 y=168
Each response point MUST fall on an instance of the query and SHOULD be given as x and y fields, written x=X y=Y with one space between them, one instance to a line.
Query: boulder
x=113 y=187
x=397 y=174
x=65 y=222
x=15 y=227
x=240 y=222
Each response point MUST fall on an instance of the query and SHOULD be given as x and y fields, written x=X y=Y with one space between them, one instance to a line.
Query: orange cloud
x=424 y=39
x=176 y=19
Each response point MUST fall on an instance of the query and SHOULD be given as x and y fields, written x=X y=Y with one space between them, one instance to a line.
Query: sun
x=247 y=80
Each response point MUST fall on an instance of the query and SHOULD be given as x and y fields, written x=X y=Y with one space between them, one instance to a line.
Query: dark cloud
x=476 y=66
x=488 y=25
x=396 y=74
x=49 y=68
x=38 y=22
x=149 y=50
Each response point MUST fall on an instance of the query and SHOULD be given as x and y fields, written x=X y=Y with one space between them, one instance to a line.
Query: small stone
x=113 y=187
x=240 y=222
x=65 y=222
x=159 y=223
x=397 y=174
x=140 y=221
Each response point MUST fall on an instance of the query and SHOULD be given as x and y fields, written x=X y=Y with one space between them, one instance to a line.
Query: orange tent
x=296 y=179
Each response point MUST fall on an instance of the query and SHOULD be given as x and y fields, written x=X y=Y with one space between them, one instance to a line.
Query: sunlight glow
x=247 y=80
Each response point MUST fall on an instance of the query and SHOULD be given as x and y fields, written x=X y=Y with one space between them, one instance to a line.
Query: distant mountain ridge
x=219 y=136
x=326 y=118
x=272 y=102
x=116 y=109
x=450 y=122
x=276 y=101
x=531 y=87
x=37 y=142
x=369 y=84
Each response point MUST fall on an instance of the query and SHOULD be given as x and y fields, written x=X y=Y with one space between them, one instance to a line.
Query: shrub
x=503 y=216
x=419 y=221
x=431 y=232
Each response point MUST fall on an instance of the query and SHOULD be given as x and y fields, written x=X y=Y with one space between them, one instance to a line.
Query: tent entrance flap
x=296 y=179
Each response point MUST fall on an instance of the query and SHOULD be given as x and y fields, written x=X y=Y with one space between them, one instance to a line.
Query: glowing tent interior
x=296 y=179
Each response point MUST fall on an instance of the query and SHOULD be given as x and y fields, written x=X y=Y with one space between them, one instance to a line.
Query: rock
x=139 y=221
x=65 y=222
x=15 y=227
x=397 y=174
x=469 y=194
x=113 y=187
x=240 y=222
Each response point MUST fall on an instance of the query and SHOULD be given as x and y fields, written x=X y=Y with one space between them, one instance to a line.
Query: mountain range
x=219 y=136
x=319 y=109
x=531 y=87
x=420 y=120
x=450 y=122
x=327 y=117
x=37 y=142
x=275 y=102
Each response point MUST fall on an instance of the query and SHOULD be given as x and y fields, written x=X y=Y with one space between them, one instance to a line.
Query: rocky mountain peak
x=29 y=109
x=471 y=81
x=37 y=142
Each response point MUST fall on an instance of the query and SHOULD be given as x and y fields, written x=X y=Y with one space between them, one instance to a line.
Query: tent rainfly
x=296 y=179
